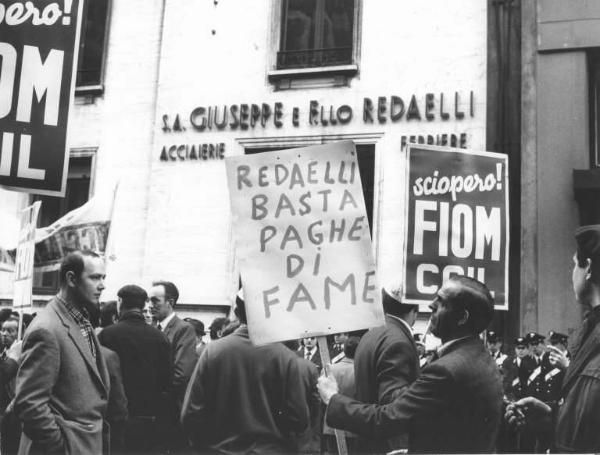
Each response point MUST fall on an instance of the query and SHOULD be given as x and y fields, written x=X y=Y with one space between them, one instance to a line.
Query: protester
x=494 y=345
x=10 y=427
x=62 y=385
x=147 y=312
x=310 y=440
x=455 y=404
x=217 y=327
x=200 y=332
x=145 y=356
x=181 y=335
x=576 y=420
x=386 y=361
x=343 y=372
x=336 y=349
x=310 y=351
x=108 y=315
x=244 y=398
x=229 y=328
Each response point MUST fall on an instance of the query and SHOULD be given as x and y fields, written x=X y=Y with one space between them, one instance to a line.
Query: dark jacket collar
x=132 y=316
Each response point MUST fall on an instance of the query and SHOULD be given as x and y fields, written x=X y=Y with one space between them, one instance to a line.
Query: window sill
x=89 y=90
x=347 y=70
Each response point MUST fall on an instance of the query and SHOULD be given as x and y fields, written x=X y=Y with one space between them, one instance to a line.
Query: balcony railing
x=314 y=58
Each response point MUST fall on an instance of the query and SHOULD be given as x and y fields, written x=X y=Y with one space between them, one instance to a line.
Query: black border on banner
x=63 y=186
x=424 y=304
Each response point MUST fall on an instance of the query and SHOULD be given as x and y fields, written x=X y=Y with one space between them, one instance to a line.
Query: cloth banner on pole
x=302 y=243
x=85 y=228
x=24 y=260
x=38 y=54
x=457 y=221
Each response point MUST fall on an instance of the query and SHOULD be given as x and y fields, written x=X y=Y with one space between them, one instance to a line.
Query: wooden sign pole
x=340 y=437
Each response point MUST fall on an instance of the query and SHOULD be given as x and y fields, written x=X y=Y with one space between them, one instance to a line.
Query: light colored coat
x=62 y=391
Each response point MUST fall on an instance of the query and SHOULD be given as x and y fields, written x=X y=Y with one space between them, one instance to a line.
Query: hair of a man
x=171 y=291
x=217 y=325
x=473 y=296
x=350 y=346
x=133 y=297
x=74 y=262
x=395 y=308
x=108 y=313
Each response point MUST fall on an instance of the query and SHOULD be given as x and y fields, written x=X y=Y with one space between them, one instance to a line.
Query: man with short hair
x=455 y=404
x=62 y=385
x=163 y=296
x=575 y=421
x=494 y=345
x=244 y=398
x=310 y=352
x=145 y=355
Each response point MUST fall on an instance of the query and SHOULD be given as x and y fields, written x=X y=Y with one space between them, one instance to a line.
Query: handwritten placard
x=302 y=242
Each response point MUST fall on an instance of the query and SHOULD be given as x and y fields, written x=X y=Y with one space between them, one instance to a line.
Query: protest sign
x=38 y=59
x=302 y=242
x=456 y=221
x=24 y=259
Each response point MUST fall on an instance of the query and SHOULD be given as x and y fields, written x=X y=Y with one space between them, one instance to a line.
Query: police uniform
x=554 y=377
x=516 y=372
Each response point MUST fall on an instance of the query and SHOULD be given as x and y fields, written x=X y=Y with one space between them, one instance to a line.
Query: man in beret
x=575 y=418
x=386 y=361
x=145 y=355
x=455 y=404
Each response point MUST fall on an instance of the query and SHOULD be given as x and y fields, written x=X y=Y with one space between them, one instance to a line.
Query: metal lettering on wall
x=444 y=107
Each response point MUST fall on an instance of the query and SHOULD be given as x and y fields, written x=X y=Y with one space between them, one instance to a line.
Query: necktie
x=160 y=327
x=307 y=356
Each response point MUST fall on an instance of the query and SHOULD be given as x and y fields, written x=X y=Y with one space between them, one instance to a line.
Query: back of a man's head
x=474 y=297
x=132 y=297
x=74 y=262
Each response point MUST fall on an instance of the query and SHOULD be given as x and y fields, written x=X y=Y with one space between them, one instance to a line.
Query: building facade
x=179 y=87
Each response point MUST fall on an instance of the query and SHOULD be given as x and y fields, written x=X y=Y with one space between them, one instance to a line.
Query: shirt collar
x=402 y=321
x=165 y=322
x=75 y=312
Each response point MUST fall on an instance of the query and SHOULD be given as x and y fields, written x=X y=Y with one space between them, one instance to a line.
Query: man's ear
x=71 y=279
x=463 y=320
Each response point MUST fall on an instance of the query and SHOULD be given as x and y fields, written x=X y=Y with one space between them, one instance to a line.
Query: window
x=91 y=47
x=316 y=33
x=77 y=193
x=365 y=154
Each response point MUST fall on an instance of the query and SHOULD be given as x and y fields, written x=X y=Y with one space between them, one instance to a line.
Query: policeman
x=553 y=378
x=517 y=370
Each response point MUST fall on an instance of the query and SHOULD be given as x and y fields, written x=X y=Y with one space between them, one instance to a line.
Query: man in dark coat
x=244 y=398
x=145 y=356
x=455 y=404
x=310 y=351
x=575 y=418
x=516 y=371
x=386 y=361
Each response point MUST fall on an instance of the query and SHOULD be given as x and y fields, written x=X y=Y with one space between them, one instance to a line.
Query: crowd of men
x=136 y=378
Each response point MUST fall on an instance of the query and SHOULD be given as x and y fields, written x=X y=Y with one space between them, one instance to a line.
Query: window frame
x=96 y=89
x=274 y=74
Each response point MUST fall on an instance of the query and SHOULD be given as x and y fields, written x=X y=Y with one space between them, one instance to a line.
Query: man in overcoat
x=455 y=404
x=575 y=418
x=62 y=384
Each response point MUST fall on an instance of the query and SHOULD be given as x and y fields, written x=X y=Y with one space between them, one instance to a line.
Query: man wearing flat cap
x=575 y=419
x=386 y=361
x=145 y=355
x=455 y=404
